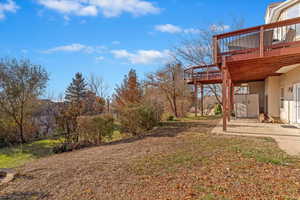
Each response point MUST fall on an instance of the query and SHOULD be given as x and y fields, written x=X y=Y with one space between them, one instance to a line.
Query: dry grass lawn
x=180 y=160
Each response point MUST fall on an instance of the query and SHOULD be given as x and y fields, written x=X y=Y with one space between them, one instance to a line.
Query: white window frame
x=297 y=101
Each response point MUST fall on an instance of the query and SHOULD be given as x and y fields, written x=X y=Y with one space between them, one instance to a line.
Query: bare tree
x=170 y=81
x=197 y=50
x=21 y=83
x=97 y=85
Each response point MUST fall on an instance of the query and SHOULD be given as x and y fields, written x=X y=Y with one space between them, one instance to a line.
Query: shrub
x=137 y=118
x=69 y=146
x=218 y=109
x=94 y=129
x=90 y=131
x=171 y=118
x=149 y=116
x=9 y=134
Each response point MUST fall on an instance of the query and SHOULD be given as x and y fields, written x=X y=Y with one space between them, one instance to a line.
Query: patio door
x=297 y=99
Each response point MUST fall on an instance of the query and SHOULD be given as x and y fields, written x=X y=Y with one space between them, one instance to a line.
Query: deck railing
x=257 y=41
x=202 y=73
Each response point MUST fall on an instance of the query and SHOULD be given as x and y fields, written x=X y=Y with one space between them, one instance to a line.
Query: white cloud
x=75 y=7
x=109 y=8
x=121 y=53
x=142 y=56
x=8 y=6
x=75 y=48
x=215 y=27
x=114 y=8
x=173 y=29
x=192 y=31
x=168 y=28
x=88 y=10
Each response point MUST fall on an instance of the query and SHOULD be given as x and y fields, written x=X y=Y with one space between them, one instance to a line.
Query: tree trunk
x=21 y=124
x=174 y=95
x=175 y=106
x=21 y=132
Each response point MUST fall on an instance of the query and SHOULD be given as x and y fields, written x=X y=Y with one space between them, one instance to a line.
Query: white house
x=282 y=93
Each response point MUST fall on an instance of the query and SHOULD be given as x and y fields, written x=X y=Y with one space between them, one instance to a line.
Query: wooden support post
x=261 y=42
x=229 y=83
x=215 y=49
x=224 y=92
x=202 y=100
x=196 y=98
x=232 y=98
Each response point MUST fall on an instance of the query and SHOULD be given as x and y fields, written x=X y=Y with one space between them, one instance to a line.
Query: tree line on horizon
x=85 y=116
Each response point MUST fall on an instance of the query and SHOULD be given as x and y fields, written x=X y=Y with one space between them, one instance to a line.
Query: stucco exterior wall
x=287 y=82
x=272 y=96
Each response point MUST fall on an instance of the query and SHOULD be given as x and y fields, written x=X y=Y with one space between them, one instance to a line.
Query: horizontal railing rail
x=257 y=40
x=202 y=73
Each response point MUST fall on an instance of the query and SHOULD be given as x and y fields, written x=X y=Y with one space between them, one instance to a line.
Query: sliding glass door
x=297 y=98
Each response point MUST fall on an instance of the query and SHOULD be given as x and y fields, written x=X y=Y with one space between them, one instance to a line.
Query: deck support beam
x=225 y=95
x=232 y=98
x=229 y=103
x=202 y=100
x=261 y=42
x=196 y=98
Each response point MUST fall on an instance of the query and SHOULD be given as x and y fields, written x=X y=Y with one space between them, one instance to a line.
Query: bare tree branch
x=97 y=85
x=197 y=50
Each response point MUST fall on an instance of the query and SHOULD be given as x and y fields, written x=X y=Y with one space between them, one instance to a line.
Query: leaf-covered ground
x=180 y=160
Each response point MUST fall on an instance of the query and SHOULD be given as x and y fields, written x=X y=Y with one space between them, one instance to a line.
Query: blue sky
x=108 y=37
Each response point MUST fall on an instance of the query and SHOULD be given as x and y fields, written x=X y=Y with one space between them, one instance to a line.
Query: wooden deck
x=246 y=55
x=251 y=54
x=207 y=74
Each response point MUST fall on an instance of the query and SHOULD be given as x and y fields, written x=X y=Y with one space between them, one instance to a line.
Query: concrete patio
x=287 y=136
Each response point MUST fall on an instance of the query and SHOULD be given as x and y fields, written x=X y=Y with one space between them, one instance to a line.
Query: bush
x=90 y=131
x=137 y=118
x=69 y=146
x=218 y=109
x=171 y=118
x=94 y=129
x=9 y=132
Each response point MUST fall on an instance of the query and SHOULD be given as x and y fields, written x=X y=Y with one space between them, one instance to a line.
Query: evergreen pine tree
x=77 y=90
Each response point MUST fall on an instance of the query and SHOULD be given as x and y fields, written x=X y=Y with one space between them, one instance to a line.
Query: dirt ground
x=179 y=160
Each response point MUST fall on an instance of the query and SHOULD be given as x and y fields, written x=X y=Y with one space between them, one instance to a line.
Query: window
x=282 y=98
x=293 y=12
x=289 y=13
x=241 y=90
